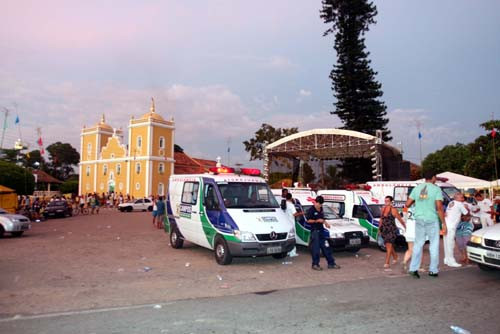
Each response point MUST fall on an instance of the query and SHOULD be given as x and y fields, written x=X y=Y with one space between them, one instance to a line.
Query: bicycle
x=77 y=210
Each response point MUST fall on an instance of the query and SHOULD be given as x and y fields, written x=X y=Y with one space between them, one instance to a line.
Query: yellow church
x=140 y=169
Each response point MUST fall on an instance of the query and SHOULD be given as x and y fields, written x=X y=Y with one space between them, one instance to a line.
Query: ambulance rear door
x=189 y=216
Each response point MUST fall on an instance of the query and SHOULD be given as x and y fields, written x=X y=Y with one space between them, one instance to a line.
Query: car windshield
x=56 y=203
x=245 y=195
x=327 y=211
x=450 y=191
x=376 y=210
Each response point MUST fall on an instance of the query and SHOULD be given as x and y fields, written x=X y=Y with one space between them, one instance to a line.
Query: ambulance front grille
x=267 y=237
x=491 y=243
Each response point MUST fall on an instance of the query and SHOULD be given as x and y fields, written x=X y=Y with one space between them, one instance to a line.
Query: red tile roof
x=43 y=177
x=184 y=164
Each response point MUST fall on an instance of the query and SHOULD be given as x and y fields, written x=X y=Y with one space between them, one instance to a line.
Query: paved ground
x=91 y=262
x=467 y=298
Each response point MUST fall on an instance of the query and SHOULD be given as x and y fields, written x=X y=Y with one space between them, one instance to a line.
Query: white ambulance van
x=400 y=190
x=359 y=206
x=343 y=234
x=234 y=214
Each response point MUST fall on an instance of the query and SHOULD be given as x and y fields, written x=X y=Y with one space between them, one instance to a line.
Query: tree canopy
x=63 y=159
x=17 y=178
x=265 y=135
x=475 y=159
x=355 y=88
x=308 y=175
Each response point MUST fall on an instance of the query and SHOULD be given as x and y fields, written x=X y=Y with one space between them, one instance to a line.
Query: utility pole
x=493 y=133
x=228 y=151
x=6 y=114
x=420 y=147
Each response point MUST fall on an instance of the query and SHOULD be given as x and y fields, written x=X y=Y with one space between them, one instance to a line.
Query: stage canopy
x=331 y=144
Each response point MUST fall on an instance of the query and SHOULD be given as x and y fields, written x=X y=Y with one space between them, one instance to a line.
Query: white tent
x=495 y=183
x=465 y=182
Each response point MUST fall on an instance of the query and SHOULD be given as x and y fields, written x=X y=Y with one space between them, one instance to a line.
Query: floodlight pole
x=6 y=114
x=495 y=159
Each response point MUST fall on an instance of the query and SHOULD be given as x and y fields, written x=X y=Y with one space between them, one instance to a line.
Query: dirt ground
x=88 y=262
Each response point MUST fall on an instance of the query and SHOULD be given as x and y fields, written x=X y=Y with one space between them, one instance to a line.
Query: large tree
x=63 y=160
x=17 y=178
x=451 y=158
x=265 y=135
x=308 y=175
x=476 y=159
x=357 y=91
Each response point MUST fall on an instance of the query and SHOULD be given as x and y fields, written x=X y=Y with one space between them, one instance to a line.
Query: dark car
x=57 y=209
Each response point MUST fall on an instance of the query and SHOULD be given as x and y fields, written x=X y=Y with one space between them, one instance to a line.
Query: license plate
x=59 y=210
x=25 y=227
x=493 y=255
x=274 y=250
x=356 y=241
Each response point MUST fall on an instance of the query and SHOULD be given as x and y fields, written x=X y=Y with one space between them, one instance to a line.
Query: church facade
x=140 y=168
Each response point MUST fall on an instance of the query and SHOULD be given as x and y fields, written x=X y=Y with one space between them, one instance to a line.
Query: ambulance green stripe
x=372 y=230
x=302 y=233
x=209 y=230
x=166 y=224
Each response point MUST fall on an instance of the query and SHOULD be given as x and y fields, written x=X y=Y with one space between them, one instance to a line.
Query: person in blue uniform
x=315 y=217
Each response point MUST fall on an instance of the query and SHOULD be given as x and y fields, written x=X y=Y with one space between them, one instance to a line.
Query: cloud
x=303 y=94
x=436 y=133
x=205 y=116
x=279 y=63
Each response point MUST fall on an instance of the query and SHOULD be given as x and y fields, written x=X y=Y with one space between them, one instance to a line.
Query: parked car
x=58 y=209
x=13 y=224
x=142 y=204
x=484 y=247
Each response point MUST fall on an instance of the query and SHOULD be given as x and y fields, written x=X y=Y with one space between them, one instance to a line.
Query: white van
x=343 y=234
x=484 y=247
x=400 y=190
x=362 y=208
x=232 y=214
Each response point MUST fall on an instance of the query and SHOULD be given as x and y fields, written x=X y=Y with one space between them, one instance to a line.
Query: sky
x=221 y=68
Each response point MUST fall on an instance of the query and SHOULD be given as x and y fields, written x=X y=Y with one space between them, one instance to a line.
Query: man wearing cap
x=315 y=218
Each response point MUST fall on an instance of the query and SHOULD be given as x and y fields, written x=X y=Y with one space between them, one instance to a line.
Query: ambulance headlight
x=291 y=234
x=365 y=233
x=476 y=239
x=244 y=236
x=337 y=235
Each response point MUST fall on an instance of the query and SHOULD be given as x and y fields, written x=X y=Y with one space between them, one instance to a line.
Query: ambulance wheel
x=221 y=251
x=175 y=238
x=280 y=255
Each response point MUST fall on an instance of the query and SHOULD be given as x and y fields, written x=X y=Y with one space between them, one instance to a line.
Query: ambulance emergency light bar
x=357 y=187
x=229 y=170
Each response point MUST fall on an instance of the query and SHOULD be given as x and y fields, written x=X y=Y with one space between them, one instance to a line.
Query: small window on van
x=210 y=199
x=360 y=211
x=190 y=192
x=401 y=194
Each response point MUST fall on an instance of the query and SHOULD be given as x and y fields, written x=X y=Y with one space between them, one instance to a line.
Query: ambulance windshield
x=247 y=195
x=329 y=212
x=450 y=191
x=376 y=210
